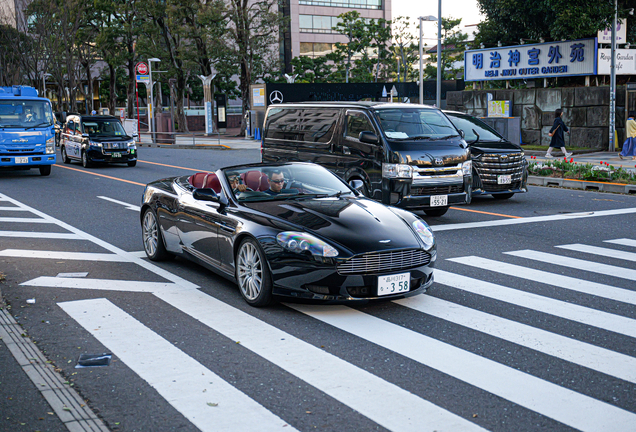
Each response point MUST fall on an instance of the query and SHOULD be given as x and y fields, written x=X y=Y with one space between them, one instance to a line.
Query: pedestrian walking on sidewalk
x=629 y=146
x=556 y=132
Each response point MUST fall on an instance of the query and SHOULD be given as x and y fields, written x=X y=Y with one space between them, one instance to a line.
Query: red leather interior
x=212 y=182
x=198 y=180
x=253 y=180
x=264 y=184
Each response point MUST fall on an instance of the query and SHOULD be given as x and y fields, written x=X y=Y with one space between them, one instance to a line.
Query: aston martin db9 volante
x=291 y=230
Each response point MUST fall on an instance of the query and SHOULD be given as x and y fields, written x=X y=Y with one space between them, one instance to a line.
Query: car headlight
x=132 y=145
x=467 y=168
x=424 y=232
x=300 y=242
x=50 y=145
x=95 y=144
x=397 y=170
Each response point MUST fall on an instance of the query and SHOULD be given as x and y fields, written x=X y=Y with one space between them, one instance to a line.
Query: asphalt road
x=531 y=324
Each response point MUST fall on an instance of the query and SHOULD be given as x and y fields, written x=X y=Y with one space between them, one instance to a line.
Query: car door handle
x=346 y=150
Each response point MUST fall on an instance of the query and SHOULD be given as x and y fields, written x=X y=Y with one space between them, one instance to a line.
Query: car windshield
x=284 y=182
x=103 y=128
x=399 y=124
x=25 y=113
x=470 y=125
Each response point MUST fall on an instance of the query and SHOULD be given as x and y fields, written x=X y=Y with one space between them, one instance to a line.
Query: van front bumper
x=404 y=194
x=31 y=161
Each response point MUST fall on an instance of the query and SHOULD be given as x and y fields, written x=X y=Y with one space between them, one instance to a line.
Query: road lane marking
x=575 y=263
x=100 y=175
x=623 y=242
x=534 y=219
x=182 y=381
x=62 y=255
x=383 y=402
x=103 y=284
x=600 y=359
x=128 y=206
x=483 y=212
x=561 y=404
x=544 y=277
x=44 y=235
x=24 y=220
x=606 y=252
x=140 y=262
x=562 y=309
x=12 y=209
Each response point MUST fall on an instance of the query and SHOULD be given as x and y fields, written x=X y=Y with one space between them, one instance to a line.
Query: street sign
x=605 y=36
x=625 y=61
x=143 y=79
x=142 y=68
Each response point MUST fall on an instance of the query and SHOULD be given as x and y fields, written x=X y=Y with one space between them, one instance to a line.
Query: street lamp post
x=426 y=18
x=612 y=113
x=439 y=54
x=151 y=114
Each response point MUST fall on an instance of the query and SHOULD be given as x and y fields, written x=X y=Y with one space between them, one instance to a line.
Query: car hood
x=424 y=153
x=113 y=138
x=358 y=225
x=32 y=137
x=498 y=147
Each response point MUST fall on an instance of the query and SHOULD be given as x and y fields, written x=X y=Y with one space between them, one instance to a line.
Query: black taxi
x=97 y=139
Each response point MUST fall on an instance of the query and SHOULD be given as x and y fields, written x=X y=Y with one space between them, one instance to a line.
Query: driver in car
x=236 y=185
x=276 y=182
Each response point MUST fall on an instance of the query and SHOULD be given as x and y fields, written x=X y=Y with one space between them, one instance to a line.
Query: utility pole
x=439 y=54
x=612 y=110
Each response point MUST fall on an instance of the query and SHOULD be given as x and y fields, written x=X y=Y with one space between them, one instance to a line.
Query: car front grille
x=436 y=190
x=379 y=262
x=115 y=146
x=490 y=166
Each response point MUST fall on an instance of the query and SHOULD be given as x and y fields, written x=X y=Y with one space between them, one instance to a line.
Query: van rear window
x=310 y=125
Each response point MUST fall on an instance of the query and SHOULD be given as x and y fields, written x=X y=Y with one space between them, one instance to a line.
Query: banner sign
x=143 y=79
x=625 y=61
x=542 y=60
x=258 y=97
x=605 y=36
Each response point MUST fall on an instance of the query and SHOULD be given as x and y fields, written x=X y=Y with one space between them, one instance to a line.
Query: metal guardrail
x=173 y=138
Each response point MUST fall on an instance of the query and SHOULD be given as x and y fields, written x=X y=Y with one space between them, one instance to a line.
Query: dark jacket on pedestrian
x=557 y=131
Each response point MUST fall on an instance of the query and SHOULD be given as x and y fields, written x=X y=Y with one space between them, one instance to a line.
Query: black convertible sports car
x=292 y=229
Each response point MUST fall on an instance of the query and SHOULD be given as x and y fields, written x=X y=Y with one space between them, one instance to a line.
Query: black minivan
x=405 y=155
x=499 y=166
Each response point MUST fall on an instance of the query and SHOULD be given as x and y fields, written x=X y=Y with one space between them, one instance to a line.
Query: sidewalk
x=593 y=158
x=230 y=140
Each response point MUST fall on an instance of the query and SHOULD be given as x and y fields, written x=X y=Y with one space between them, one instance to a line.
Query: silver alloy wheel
x=250 y=271
x=150 y=233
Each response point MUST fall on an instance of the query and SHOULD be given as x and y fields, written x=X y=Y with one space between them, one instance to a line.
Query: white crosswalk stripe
x=24 y=220
x=593 y=317
x=548 y=278
x=182 y=381
x=177 y=376
x=576 y=263
x=566 y=406
x=603 y=360
x=624 y=242
x=12 y=209
x=606 y=252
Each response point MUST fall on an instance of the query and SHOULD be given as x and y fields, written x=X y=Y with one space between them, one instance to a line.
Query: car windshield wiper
x=339 y=194
x=414 y=137
x=304 y=195
x=10 y=126
x=38 y=125
x=444 y=137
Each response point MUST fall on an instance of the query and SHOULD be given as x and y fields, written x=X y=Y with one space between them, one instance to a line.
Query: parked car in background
x=499 y=166
x=405 y=155
x=291 y=230
x=97 y=139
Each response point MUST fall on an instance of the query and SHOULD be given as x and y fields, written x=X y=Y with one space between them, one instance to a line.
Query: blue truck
x=27 y=130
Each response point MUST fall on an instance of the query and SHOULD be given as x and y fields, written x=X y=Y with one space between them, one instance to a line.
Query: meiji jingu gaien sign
x=550 y=59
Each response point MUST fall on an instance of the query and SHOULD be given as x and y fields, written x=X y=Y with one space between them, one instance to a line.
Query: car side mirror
x=368 y=137
x=85 y=135
x=206 y=194
x=135 y=136
x=357 y=185
x=462 y=133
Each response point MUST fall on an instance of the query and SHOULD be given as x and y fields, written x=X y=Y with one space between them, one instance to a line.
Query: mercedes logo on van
x=439 y=161
x=276 y=97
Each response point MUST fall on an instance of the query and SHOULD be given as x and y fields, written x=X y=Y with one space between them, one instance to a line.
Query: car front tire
x=252 y=274
x=65 y=157
x=45 y=170
x=132 y=163
x=152 y=238
x=86 y=163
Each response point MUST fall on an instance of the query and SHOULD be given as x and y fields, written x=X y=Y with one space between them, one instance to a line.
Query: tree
x=453 y=46
x=311 y=70
x=252 y=33
x=508 y=21
x=353 y=27
x=405 y=48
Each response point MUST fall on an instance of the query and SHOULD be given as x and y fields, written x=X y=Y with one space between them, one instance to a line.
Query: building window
x=314 y=49
x=357 y=4
x=318 y=23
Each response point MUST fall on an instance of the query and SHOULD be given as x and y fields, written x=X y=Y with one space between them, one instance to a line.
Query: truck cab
x=27 y=130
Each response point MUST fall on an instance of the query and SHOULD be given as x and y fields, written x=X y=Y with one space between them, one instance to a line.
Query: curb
x=67 y=404
x=583 y=185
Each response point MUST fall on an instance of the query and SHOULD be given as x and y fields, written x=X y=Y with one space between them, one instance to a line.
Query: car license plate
x=116 y=154
x=439 y=200
x=504 y=179
x=21 y=160
x=393 y=284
